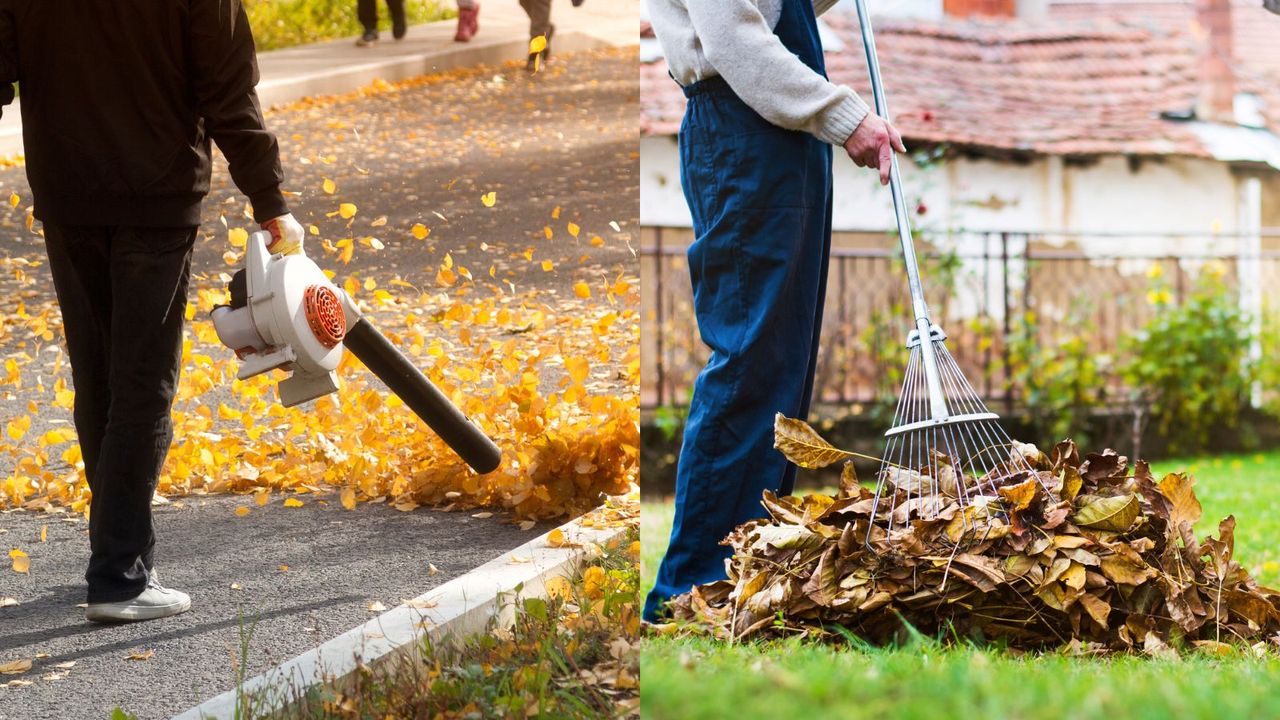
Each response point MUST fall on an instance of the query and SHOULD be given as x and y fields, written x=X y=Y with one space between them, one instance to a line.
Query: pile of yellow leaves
x=554 y=387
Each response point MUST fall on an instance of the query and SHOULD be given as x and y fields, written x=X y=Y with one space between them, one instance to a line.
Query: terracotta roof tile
x=1055 y=86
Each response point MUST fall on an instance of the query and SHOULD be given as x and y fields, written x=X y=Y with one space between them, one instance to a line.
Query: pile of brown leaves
x=1083 y=551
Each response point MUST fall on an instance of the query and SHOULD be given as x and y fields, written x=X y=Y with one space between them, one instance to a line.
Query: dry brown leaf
x=802 y=445
x=1182 y=499
x=1116 y=514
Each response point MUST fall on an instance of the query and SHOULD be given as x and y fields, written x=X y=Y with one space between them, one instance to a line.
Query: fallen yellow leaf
x=293 y=502
x=15 y=667
x=559 y=587
x=21 y=562
x=489 y=199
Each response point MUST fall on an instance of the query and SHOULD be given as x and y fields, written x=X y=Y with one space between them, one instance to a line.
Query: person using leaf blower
x=119 y=104
x=755 y=164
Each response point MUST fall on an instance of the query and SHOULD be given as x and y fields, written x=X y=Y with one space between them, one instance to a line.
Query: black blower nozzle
x=425 y=399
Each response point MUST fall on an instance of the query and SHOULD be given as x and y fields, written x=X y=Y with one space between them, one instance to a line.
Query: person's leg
x=757 y=266
x=399 y=23
x=367 y=11
x=79 y=262
x=468 y=20
x=539 y=12
x=149 y=272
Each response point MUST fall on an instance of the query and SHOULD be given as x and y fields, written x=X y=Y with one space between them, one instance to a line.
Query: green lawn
x=698 y=678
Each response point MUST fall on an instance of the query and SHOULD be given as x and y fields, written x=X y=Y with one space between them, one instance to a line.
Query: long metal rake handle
x=933 y=379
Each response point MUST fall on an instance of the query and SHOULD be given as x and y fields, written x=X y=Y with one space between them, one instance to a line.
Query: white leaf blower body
x=285 y=313
x=294 y=319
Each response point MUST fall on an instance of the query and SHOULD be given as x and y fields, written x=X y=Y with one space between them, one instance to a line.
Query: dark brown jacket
x=120 y=99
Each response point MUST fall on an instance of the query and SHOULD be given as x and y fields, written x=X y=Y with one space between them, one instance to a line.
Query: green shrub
x=285 y=23
x=1059 y=383
x=1190 y=363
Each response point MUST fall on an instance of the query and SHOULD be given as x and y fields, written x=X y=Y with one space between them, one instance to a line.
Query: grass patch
x=571 y=656
x=285 y=23
x=702 y=678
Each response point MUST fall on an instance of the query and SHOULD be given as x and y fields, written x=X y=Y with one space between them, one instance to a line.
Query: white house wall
x=1181 y=196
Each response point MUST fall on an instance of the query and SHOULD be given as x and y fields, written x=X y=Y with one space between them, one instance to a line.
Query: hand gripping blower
x=285 y=313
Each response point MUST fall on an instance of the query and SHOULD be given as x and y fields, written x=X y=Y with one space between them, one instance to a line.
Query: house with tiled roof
x=1106 y=134
x=1072 y=116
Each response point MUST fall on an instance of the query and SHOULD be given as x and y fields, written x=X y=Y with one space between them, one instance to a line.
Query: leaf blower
x=285 y=313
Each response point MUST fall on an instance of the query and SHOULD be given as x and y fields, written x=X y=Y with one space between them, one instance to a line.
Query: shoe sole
x=135 y=614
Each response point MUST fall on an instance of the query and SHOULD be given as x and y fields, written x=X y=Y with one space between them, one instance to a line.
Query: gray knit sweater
x=734 y=39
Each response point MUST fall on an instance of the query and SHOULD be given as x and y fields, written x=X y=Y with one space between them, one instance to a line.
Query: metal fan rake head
x=944 y=447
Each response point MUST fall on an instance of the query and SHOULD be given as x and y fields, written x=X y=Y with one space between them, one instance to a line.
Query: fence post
x=659 y=315
x=846 y=371
x=1008 y=326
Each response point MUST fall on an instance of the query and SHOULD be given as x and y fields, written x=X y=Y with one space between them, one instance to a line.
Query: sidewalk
x=339 y=66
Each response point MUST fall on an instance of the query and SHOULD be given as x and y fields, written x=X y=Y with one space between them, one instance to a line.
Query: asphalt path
x=264 y=588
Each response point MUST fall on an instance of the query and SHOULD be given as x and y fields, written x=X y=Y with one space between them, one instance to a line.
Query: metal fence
x=984 y=288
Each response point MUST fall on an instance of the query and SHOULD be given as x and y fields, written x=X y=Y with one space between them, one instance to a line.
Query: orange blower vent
x=324 y=314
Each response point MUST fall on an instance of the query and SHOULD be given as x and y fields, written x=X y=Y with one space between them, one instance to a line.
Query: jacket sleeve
x=8 y=53
x=224 y=68
x=770 y=79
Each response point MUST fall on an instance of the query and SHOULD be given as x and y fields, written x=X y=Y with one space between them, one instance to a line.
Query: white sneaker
x=154 y=602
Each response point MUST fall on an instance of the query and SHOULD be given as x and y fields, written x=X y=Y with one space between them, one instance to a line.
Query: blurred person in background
x=468 y=20
x=367 y=10
x=539 y=12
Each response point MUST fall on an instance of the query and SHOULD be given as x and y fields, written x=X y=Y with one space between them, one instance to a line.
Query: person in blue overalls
x=755 y=163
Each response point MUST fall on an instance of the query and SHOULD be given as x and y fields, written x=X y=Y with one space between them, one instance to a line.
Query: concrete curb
x=460 y=608
x=393 y=68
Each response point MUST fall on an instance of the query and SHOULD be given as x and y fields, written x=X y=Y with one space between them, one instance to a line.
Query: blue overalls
x=760 y=197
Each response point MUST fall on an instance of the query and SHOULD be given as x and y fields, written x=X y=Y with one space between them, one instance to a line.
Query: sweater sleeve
x=740 y=45
x=224 y=72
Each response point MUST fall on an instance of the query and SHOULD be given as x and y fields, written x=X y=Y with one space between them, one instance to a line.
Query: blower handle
x=933 y=377
x=425 y=399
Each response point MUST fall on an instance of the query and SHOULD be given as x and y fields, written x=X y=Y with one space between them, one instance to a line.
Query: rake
x=944 y=446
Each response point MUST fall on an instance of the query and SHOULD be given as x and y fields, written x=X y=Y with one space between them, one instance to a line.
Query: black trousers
x=367 y=11
x=123 y=294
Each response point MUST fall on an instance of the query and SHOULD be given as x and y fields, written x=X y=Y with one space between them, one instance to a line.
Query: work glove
x=286 y=235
